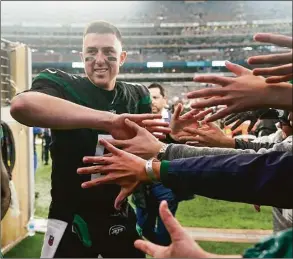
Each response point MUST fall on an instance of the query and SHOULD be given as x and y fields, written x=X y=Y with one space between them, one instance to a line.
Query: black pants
x=46 y=148
x=111 y=236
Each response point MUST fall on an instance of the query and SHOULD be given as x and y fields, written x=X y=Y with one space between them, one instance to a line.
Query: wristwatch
x=162 y=151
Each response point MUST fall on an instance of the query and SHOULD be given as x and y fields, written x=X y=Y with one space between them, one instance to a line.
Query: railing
x=6 y=85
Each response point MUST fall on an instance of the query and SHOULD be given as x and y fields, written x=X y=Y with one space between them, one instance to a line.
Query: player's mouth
x=100 y=71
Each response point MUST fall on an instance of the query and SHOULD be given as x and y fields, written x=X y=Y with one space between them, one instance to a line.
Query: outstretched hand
x=235 y=93
x=251 y=116
x=189 y=119
x=149 y=121
x=143 y=144
x=122 y=168
x=277 y=74
x=182 y=246
x=209 y=135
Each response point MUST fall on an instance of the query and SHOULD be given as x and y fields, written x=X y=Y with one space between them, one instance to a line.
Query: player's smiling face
x=102 y=56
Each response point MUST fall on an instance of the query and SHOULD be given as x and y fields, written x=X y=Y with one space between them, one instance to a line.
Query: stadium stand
x=186 y=36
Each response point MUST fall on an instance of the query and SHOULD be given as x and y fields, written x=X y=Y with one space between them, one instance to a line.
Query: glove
x=251 y=116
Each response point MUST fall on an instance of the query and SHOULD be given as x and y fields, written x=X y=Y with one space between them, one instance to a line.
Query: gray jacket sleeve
x=176 y=151
x=242 y=144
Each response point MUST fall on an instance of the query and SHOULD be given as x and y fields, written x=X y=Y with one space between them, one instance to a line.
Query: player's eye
x=91 y=51
x=89 y=59
x=108 y=52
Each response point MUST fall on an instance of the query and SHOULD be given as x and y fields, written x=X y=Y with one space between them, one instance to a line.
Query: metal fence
x=7 y=87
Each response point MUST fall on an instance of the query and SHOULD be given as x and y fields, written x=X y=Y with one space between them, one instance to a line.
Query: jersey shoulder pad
x=64 y=81
x=56 y=75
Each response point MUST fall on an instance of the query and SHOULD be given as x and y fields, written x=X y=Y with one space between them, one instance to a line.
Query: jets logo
x=116 y=230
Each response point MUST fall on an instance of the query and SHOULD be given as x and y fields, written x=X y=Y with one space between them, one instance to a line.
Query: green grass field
x=200 y=212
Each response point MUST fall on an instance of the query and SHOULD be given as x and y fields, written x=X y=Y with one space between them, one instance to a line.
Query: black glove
x=251 y=116
x=269 y=114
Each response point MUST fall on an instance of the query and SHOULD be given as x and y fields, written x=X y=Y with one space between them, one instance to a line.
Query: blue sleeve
x=37 y=130
x=250 y=178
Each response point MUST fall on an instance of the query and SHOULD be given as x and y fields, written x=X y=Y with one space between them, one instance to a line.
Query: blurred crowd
x=157 y=12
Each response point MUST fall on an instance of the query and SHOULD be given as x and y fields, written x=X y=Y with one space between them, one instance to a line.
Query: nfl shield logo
x=51 y=240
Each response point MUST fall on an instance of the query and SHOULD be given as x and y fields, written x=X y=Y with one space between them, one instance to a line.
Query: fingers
x=279 y=79
x=178 y=111
x=159 y=136
x=108 y=155
x=154 y=126
x=277 y=39
x=154 y=123
x=190 y=114
x=159 y=129
x=208 y=92
x=203 y=114
x=221 y=114
x=97 y=160
x=214 y=101
x=193 y=139
x=118 y=143
x=252 y=123
x=211 y=125
x=231 y=118
x=108 y=179
x=283 y=58
x=93 y=169
x=110 y=147
x=237 y=124
x=120 y=198
x=172 y=225
x=132 y=125
x=217 y=80
x=237 y=69
x=143 y=116
x=274 y=71
x=148 y=247
x=193 y=131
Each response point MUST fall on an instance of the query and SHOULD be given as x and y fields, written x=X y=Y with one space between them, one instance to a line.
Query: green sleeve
x=145 y=102
x=277 y=246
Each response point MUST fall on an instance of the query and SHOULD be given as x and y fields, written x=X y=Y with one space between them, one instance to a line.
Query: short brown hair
x=102 y=27
x=160 y=87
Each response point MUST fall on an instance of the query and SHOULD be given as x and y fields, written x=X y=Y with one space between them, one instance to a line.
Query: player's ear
x=123 y=56
x=81 y=56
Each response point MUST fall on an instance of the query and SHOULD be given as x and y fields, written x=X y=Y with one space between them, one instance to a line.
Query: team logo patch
x=51 y=240
x=116 y=230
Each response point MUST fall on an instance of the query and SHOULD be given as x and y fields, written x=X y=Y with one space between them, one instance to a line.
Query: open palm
x=182 y=246
x=189 y=119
